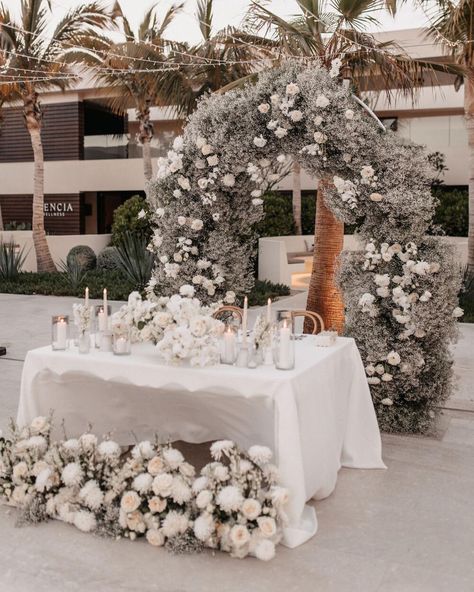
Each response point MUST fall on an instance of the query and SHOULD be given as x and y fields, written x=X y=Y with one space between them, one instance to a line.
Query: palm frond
x=204 y=18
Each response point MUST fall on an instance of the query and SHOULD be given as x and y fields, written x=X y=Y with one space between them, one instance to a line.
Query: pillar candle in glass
x=122 y=345
x=229 y=345
x=60 y=332
x=101 y=322
x=284 y=341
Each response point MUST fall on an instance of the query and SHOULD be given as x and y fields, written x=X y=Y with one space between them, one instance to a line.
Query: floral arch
x=400 y=292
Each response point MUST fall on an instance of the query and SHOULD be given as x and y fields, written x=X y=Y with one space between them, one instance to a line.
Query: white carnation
x=72 y=474
x=91 y=495
x=229 y=498
x=175 y=523
x=180 y=491
x=204 y=527
x=260 y=454
x=142 y=482
x=239 y=535
x=265 y=550
x=228 y=180
x=85 y=521
x=251 y=509
x=173 y=457
x=203 y=498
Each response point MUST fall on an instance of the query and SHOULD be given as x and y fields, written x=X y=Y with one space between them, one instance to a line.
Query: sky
x=231 y=12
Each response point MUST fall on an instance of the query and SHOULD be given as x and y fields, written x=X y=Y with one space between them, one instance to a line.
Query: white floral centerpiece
x=82 y=314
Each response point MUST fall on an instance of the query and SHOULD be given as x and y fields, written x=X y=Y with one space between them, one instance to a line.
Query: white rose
x=228 y=180
x=213 y=160
x=393 y=358
x=181 y=220
x=155 y=537
x=259 y=141
x=251 y=509
x=155 y=466
x=264 y=108
x=322 y=101
x=281 y=132
x=239 y=535
x=349 y=114
x=386 y=377
x=292 y=89
x=157 y=505
x=458 y=312
x=162 y=484
x=267 y=526
x=376 y=197
x=130 y=501
x=197 y=224
x=387 y=402
x=319 y=137
x=207 y=149
x=39 y=424
x=203 y=183
x=296 y=115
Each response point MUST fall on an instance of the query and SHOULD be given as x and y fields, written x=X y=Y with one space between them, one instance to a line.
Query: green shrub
x=263 y=290
x=83 y=256
x=73 y=271
x=278 y=220
x=452 y=210
x=126 y=221
x=57 y=284
x=107 y=259
x=466 y=296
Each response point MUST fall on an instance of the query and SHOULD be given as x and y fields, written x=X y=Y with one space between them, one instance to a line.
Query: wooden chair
x=314 y=317
x=228 y=310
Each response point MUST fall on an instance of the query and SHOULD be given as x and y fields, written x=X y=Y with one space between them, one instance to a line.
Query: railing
x=111 y=146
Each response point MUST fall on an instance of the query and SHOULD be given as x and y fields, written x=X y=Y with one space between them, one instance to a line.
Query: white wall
x=59 y=245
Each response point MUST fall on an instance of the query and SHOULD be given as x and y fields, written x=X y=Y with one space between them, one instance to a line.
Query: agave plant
x=12 y=260
x=73 y=271
x=134 y=260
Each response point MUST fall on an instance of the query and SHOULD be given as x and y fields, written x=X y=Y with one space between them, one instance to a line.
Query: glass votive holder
x=284 y=341
x=84 y=342
x=229 y=345
x=122 y=344
x=106 y=341
x=60 y=332
x=102 y=323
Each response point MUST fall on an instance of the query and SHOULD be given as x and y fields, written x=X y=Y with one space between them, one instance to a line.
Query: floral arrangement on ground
x=235 y=504
x=400 y=295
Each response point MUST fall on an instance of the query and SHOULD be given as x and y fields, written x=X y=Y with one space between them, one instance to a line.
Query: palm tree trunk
x=147 y=166
x=296 y=197
x=469 y=116
x=32 y=113
x=323 y=295
x=145 y=136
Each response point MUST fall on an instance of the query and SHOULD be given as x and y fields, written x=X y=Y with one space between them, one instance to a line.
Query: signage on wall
x=58 y=209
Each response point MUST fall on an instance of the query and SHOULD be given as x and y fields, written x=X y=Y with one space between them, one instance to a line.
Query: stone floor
x=407 y=529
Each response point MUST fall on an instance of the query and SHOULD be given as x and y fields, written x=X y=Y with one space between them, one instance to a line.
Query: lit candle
x=120 y=345
x=61 y=334
x=87 y=297
x=269 y=310
x=244 y=321
x=105 y=310
x=285 y=344
x=229 y=346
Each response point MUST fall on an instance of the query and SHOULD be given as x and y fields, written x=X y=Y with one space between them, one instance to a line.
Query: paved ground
x=407 y=529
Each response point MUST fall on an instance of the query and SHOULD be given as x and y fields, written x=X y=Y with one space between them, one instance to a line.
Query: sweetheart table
x=316 y=418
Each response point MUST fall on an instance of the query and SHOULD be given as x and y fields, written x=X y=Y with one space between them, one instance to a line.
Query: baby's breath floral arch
x=400 y=292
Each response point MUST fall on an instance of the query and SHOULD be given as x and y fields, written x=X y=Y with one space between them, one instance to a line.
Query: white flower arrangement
x=262 y=332
x=82 y=317
x=239 y=507
x=235 y=505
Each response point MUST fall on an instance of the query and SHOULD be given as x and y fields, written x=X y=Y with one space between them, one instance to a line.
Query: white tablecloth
x=317 y=417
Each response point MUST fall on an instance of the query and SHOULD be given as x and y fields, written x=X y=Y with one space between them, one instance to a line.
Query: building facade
x=93 y=161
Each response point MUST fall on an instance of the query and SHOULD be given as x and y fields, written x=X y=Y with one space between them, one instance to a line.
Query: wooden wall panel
x=59 y=219
x=62 y=134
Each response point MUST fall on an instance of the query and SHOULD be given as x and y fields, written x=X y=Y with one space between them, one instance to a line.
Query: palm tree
x=131 y=67
x=220 y=59
x=325 y=30
x=34 y=63
x=452 y=25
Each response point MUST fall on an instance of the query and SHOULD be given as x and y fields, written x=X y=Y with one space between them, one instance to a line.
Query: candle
x=105 y=310
x=86 y=298
x=228 y=355
x=120 y=345
x=244 y=321
x=61 y=334
x=269 y=310
x=285 y=344
x=102 y=319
